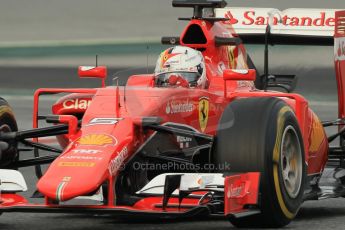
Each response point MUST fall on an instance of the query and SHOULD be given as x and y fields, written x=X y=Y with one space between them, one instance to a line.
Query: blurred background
x=42 y=42
x=70 y=32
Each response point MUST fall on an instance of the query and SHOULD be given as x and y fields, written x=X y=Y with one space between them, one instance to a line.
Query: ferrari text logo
x=203 y=112
x=97 y=139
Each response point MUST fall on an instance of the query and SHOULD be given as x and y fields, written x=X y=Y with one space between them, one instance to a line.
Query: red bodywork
x=145 y=100
x=94 y=154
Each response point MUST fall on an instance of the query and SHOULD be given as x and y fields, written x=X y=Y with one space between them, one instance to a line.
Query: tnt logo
x=232 y=20
x=86 y=151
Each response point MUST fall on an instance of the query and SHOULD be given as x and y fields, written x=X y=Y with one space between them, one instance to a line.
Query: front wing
x=240 y=197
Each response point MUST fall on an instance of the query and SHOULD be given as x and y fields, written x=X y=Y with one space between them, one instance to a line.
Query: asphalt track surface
x=326 y=214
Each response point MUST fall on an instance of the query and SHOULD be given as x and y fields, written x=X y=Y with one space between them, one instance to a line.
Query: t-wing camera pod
x=199 y=6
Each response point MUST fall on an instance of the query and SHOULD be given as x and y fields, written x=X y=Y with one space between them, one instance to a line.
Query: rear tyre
x=263 y=135
x=9 y=156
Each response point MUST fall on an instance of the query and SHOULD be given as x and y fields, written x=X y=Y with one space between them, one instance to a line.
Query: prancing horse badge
x=203 y=112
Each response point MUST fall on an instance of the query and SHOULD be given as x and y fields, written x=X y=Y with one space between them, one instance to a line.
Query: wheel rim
x=291 y=162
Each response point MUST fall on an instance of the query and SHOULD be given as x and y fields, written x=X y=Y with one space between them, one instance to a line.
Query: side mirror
x=93 y=72
x=239 y=75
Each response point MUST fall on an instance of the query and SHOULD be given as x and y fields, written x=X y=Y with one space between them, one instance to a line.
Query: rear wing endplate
x=339 y=61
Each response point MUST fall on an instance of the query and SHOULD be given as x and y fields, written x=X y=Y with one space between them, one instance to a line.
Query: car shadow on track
x=316 y=215
x=139 y=220
x=320 y=213
x=149 y=223
x=319 y=210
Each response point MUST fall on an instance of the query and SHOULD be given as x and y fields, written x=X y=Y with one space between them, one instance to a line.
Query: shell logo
x=97 y=139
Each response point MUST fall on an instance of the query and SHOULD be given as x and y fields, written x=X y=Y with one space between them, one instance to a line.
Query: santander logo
x=231 y=18
x=253 y=18
x=319 y=22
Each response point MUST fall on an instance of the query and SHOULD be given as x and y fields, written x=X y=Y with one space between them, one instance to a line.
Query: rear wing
x=288 y=27
x=322 y=27
x=339 y=36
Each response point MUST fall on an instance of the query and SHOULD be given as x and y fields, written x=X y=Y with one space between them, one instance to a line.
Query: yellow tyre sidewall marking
x=276 y=158
x=5 y=109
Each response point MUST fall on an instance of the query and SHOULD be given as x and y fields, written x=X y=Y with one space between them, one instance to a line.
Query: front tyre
x=7 y=124
x=8 y=156
x=263 y=135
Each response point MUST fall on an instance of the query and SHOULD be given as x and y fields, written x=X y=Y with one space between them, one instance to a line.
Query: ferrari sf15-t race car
x=231 y=147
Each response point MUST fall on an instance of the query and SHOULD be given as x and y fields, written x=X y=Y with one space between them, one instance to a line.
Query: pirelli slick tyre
x=8 y=123
x=263 y=135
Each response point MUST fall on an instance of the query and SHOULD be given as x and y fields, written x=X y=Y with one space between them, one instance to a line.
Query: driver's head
x=180 y=66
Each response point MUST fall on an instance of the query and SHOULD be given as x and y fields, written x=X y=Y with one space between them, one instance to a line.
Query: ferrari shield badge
x=232 y=57
x=203 y=112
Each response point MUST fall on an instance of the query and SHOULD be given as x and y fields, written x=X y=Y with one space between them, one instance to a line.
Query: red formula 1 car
x=231 y=147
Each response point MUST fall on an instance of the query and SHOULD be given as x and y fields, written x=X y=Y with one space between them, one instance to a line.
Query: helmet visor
x=163 y=79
